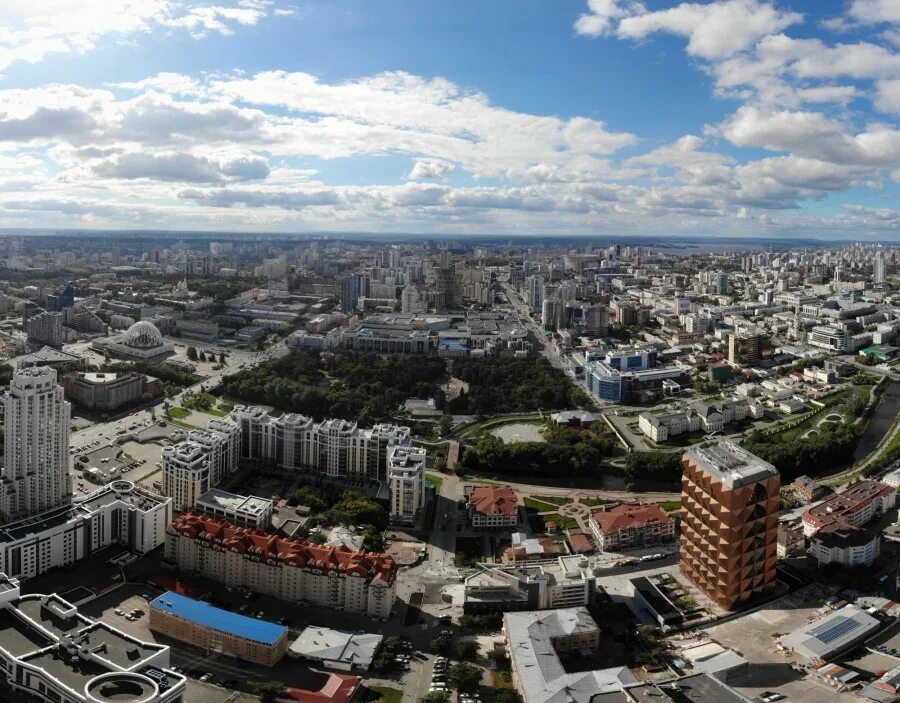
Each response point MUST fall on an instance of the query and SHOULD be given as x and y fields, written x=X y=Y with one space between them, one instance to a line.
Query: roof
x=337 y=688
x=340 y=646
x=832 y=634
x=731 y=464
x=840 y=535
x=494 y=500
x=624 y=516
x=853 y=499
x=207 y=615
x=543 y=679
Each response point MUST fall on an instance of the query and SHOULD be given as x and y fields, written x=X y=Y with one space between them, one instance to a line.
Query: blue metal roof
x=222 y=620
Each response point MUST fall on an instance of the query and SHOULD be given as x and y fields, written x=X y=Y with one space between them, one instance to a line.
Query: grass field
x=540 y=505
x=670 y=505
x=434 y=481
x=387 y=694
x=179 y=413
x=561 y=521
x=594 y=502
x=554 y=500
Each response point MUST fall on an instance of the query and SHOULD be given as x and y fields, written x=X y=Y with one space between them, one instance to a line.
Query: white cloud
x=714 y=30
x=875 y=11
x=430 y=168
x=888 y=97
x=34 y=30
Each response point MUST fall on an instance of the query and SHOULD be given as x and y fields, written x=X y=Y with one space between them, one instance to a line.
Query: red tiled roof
x=625 y=515
x=491 y=500
x=852 y=500
x=580 y=544
x=290 y=552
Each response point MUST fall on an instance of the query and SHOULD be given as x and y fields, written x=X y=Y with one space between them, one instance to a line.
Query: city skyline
x=599 y=118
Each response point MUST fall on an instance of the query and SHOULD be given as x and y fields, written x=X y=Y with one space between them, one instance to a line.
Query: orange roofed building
x=492 y=507
x=292 y=570
x=626 y=526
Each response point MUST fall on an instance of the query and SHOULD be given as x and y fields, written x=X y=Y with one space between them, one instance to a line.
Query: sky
x=600 y=117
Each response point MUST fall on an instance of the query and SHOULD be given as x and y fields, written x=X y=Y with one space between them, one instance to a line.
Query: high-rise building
x=722 y=283
x=406 y=476
x=201 y=462
x=353 y=287
x=878 y=268
x=35 y=474
x=45 y=329
x=729 y=523
x=744 y=348
x=536 y=294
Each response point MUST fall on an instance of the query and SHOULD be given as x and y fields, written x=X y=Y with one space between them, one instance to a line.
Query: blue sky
x=725 y=118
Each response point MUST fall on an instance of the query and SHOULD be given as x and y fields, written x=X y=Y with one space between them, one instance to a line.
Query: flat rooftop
x=731 y=464
x=224 y=500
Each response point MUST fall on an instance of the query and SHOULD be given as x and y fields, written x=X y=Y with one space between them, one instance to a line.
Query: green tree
x=201 y=356
x=445 y=424
x=268 y=691
x=436 y=697
x=192 y=353
x=441 y=644
x=467 y=650
x=222 y=359
x=465 y=678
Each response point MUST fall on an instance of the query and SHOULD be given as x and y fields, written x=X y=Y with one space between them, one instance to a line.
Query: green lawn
x=594 y=502
x=179 y=413
x=387 y=694
x=561 y=521
x=670 y=505
x=554 y=500
x=434 y=481
x=539 y=505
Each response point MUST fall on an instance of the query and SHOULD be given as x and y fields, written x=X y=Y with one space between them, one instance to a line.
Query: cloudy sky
x=726 y=118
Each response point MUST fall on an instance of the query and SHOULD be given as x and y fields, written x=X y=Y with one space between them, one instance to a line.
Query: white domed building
x=140 y=342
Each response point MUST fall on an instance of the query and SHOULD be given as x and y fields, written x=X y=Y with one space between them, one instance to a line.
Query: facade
x=104 y=391
x=45 y=329
x=729 y=523
x=627 y=526
x=807 y=489
x=333 y=448
x=840 y=543
x=292 y=570
x=791 y=542
x=118 y=513
x=215 y=630
x=710 y=417
x=35 y=476
x=610 y=385
x=492 y=507
x=744 y=349
x=50 y=652
x=192 y=467
x=830 y=337
x=406 y=477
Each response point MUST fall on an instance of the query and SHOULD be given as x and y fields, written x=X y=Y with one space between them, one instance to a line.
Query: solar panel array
x=829 y=632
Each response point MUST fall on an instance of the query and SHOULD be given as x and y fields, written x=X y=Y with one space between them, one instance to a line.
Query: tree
x=436 y=697
x=467 y=650
x=465 y=678
x=441 y=644
x=268 y=691
x=507 y=696
x=317 y=537
x=445 y=424
x=192 y=353
x=222 y=359
x=202 y=355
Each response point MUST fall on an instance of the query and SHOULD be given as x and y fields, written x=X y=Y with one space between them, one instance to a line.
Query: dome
x=143 y=335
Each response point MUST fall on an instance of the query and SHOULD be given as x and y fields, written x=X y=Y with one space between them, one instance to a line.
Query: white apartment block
x=291 y=570
x=406 y=477
x=334 y=448
x=201 y=462
x=848 y=546
x=35 y=475
x=118 y=513
x=698 y=416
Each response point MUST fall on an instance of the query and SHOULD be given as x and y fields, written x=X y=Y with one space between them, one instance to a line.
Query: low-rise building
x=492 y=507
x=243 y=511
x=843 y=544
x=625 y=526
x=215 y=630
x=791 y=542
x=343 y=650
x=856 y=505
x=104 y=391
x=50 y=652
x=826 y=638
x=808 y=490
x=292 y=570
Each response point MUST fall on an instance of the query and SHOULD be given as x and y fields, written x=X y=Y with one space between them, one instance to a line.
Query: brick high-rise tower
x=729 y=522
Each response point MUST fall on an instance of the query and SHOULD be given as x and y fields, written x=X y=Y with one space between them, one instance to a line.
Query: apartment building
x=840 y=543
x=406 y=478
x=334 y=448
x=206 y=457
x=45 y=329
x=855 y=506
x=492 y=507
x=625 y=526
x=292 y=570
x=729 y=522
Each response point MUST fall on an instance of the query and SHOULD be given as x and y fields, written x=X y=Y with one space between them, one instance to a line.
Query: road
x=548 y=351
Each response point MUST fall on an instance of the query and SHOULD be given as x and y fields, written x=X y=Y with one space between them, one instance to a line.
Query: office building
x=406 y=478
x=292 y=570
x=535 y=294
x=45 y=329
x=537 y=639
x=834 y=634
x=492 y=507
x=119 y=513
x=625 y=526
x=50 y=652
x=835 y=338
x=744 y=349
x=214 y=630
x=104 y=391
x=243 y=511
x=729 y=523
x=35 y=476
